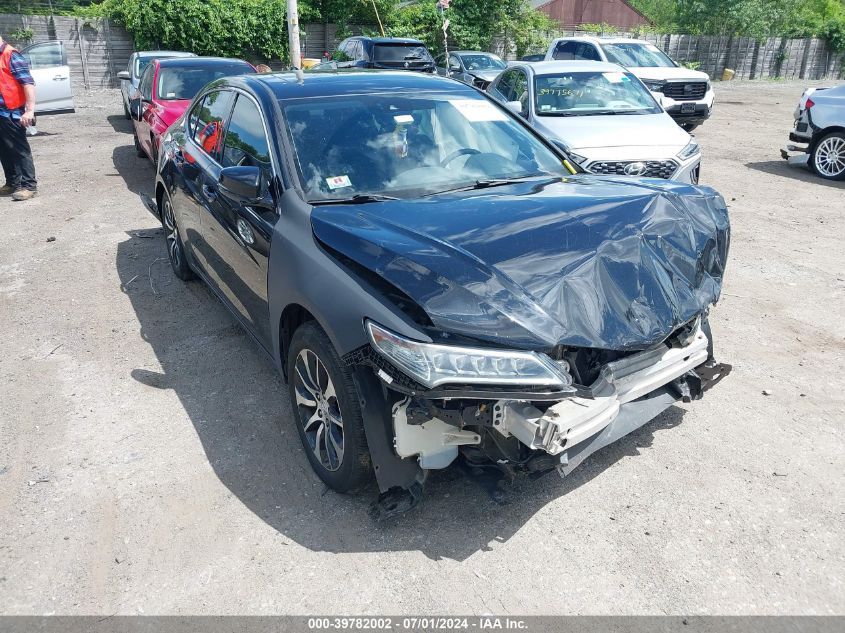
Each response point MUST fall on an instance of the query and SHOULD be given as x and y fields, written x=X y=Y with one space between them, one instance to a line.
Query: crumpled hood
x=485 y=75
x=587 y=262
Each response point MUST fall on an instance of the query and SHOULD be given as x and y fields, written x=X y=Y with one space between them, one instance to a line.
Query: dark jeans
x=16 y=155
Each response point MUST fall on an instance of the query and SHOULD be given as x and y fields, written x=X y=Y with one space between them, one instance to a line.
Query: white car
x=820 y=123
x=685 y=94
x=603 y=116
x=51 y=73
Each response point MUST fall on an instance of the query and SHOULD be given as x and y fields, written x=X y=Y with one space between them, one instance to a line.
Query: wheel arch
x=293 y=316
x=820 y=134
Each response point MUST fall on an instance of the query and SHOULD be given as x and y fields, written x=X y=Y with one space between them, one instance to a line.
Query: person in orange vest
x=17 y=112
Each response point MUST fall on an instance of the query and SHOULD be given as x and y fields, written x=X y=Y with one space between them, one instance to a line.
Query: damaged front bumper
x=628 y=393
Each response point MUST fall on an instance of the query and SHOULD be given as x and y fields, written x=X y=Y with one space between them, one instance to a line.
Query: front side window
x=409 y=145
x=505 y=85
x=146 y=84
x=47 y=55
x=245 y=144
x=590 y=93
x=637 y=55
x=208 y=118
x=183 y=83
x=483 y=62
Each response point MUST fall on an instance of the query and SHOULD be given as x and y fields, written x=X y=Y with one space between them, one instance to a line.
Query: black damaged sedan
x=434 y=280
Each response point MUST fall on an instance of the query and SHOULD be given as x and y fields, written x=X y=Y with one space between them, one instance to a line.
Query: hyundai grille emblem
x=635 y=169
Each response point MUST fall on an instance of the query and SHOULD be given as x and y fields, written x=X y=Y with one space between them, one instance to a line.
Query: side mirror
x=454 y=69
x=123 y=75
x=243 y=182
x=517 y=106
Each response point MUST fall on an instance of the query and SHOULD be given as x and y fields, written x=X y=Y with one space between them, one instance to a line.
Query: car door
x=141 y=109
x=239 y=228
x=51 y=73
x=200 y=166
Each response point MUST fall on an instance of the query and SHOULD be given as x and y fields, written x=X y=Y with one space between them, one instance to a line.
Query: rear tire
x=175 y=245
x=138 y=149
x=327 y=411
x=827 y=157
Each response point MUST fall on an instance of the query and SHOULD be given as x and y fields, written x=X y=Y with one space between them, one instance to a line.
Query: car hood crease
x=587 y=262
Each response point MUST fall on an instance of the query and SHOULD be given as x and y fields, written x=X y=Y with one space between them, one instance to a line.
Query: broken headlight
x=431 y=364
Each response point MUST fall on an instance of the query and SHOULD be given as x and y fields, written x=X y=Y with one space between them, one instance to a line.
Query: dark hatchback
x=433 y=278
x=386 y=53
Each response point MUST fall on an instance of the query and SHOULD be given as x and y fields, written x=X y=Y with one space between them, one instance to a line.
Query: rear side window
x=208 y=119
x=576 y=50
x=246 y=143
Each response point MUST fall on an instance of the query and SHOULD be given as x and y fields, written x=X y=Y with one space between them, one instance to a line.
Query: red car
x=167 y=88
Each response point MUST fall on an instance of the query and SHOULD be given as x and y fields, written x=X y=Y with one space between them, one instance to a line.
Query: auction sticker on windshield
x=478 y=110
x=338 y=182
x=615 y=78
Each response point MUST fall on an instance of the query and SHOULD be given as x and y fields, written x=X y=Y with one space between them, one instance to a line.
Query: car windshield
x=409 y=145
x=589 y=93
x=483 y=62
x=185 y=82
x=400 y=53
x=637 y=55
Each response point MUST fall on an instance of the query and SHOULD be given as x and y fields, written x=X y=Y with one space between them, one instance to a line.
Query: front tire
x=688 y=127
x=175 y=245
x=828 y=156
x=326 y=408
x=126 y=111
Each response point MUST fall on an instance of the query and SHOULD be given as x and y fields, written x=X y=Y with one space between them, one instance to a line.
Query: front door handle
x=209 y=192
x=245 y=231
x=59 y=78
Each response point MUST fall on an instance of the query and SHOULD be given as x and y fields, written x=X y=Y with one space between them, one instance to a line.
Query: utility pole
x=293 y=34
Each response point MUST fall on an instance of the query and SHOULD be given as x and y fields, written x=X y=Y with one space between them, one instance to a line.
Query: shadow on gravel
x=120 y=123
x=796 y=172
x=138 y=173
x=238 y=406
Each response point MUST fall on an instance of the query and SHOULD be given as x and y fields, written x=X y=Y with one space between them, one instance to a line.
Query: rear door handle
x=59 y=78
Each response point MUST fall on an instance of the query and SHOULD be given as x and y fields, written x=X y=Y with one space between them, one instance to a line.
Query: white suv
x=685 y=94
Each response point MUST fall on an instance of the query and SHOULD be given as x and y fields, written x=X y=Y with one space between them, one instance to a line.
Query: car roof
x=473 y=53
x=600 y=40
x=387 y=40
x=292 y=85
x=198 y=62
x=572 y=66
x=164 y=53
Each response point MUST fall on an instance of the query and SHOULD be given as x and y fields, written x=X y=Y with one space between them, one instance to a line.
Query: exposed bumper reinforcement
x=617 y=394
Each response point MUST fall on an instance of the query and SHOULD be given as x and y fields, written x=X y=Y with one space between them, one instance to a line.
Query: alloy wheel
x=830 y=157
x=318 y=409
x=174 y=248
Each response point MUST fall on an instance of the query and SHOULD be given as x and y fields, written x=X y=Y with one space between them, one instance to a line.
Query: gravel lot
x=149 y=463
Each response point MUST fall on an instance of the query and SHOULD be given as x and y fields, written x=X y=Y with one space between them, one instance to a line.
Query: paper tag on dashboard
x=615 y=78
x=338 y=182
x=478 y=110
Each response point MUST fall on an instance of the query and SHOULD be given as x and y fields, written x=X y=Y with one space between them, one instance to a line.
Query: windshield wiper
x=359 y=198
x=487 y=183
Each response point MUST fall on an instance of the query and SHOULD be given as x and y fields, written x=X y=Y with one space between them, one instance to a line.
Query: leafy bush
x=244 y=28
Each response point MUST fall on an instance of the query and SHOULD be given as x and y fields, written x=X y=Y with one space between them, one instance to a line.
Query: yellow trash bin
x=728 y=74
